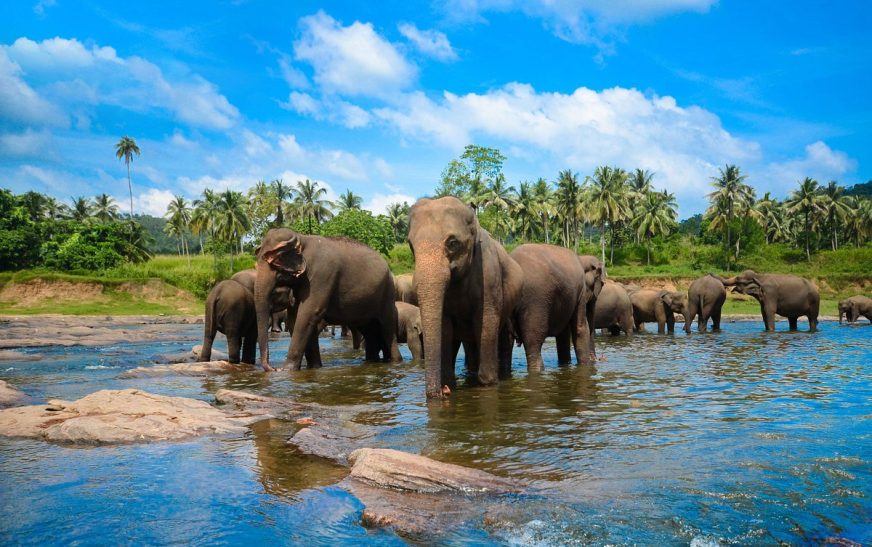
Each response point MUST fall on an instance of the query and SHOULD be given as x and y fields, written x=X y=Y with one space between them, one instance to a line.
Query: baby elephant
x=855 y=307
x=409 y=329
x=230 y=310
x=657 y=305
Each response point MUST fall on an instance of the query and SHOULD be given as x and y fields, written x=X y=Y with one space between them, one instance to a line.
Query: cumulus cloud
x=152 y=201
x=378 y=203
x=20 y=104
x=69 y=73
x=352 y=60
x=431 y=43
x=819 y=162
x=330 y=109
x=29 y=144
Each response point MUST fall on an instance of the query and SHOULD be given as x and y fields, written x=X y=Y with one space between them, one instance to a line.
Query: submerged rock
x=9 y=395
x=121 y=416
x=205 y=368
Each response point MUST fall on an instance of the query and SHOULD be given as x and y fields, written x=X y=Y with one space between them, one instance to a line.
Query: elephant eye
x=453 y=245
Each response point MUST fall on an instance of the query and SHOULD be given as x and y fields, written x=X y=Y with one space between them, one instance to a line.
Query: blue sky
x=377 y=97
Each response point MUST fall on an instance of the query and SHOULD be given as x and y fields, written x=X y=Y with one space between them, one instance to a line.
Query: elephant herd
x=466 y=291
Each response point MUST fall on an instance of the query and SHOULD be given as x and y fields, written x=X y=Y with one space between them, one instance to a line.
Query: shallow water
x=741 y=437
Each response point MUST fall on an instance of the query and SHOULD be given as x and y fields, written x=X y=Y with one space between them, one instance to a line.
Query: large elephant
x=614 y=311
x=553 y=302
x=594 y=277
x=467 y=286
x=705 y=298
x=336 y=280
x=855 y=307
x=230 y=310
x=785 y=295
x=405 y=284
x=658 y=306
x=409 y=329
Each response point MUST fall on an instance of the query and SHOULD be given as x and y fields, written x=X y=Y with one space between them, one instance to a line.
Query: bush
x=376 y=232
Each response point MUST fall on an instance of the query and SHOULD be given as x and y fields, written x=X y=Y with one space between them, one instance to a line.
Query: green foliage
x=376 y=232
x=401 y=260
x=861 y=190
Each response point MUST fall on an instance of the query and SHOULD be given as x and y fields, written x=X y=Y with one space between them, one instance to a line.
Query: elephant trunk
x=263 y=287
x=431 y=281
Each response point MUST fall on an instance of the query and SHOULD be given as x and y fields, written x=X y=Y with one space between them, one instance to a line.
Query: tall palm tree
x=311 y=203
x=126 y=148
x=836 y=208
x=281 y=194
x=179 y=216
x=54 y=209
x=807 y=201
x=568 y=198
x=203 y=217
x=770 y=216
x=657 y=214
x=524 y=211
x=398 y=217
x=349 y=200
x=608 y=202
x=231 y=222
x=475 y=195
x=81 y=209
x=640 y=186
x=499 y=196
x=544 y=207
x=730 y=198
x=105 y=209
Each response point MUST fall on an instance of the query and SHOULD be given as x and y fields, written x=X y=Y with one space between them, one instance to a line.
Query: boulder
x=205 y=368
x=9 y=395
x=122 y=416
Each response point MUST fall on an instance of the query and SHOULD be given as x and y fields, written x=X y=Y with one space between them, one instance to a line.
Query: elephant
x=594 y=277
x=409 y=329
x=280 y=300
x=553 y=302
x=467 y=286
x=786 y=295
x=657 y=305
x=337 y=280
x=614 y=311
x=230 y=310
x=278 y=321
x=705 y=298
x=855 y=307
x=405 y=284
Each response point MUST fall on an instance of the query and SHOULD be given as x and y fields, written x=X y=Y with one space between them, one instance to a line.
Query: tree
x=500 y=197
x=231 y=222
x=544 y=207
x=730 y=198
x=280 y=194
x=349 y=200
x=362 y=226
x=203 y=218
x=310 y=202
x=770 y=217
x=568 y=199
x=835 y=207
x=524 y=211
x=126 y=148
x=104 y=208
x=608 y=203
x=178 y=217
x=81 y=209
x=807 y=201
x=657 y=214
x=398 y=217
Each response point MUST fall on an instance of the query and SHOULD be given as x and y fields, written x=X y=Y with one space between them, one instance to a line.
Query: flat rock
x=68 y=330
x=411 y=472
x=333 y=439
x=9 y=395
x=205 y=368
x=122 y=416
x=9 y=355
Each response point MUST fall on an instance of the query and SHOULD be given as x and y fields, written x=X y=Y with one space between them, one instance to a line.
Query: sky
x=377 y=97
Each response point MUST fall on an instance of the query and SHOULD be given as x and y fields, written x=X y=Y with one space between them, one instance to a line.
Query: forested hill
x=863 y=189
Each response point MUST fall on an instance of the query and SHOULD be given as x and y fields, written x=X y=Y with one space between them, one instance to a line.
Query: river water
x=742 y=437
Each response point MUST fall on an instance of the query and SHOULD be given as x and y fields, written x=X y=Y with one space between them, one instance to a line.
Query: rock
x=122 y=416
x=403 y=471
x=206 y=368
x=332 y=439
x=216 y=355
x=19 y=356
x=9 y=395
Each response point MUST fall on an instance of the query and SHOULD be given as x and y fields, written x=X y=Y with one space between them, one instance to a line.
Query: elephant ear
x=666 y=298
x=286 y=257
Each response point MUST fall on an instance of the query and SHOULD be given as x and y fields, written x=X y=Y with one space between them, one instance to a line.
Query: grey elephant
x=409 y=329
x=230 y=310
x=614 y=311
x=467 y=286
x=705 y=298
x=594 y=277
x=280 y=300
x=405 y=285
x=553 y=302
x=786 y=295
x=336 y=280
x=855 y=307
x=658 y=306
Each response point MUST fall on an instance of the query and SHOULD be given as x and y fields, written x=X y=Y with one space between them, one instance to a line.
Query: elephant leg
x=413 y=339
x=792 y=321
x=627 y=324
x=313 y=353
x=768 y=319
x=660 y=315
x=505 y=353
x=615 y=330
x=234 y=344
x=581 y=341
x=372 y=345
x=488 y=342
x=589 y=312
x=249 y=347
x=716 y=319
x=304 y=330
x=563 y=355
x=471 y=361
x=692 y=311
x=356 y=338
x=670 y=322
x=206 y=350
x=450 y=347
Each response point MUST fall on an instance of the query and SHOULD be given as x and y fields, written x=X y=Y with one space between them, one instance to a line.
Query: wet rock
x=19 y=356
x=63 y=330
x=9 y=395
x=333 y=439
x=121 y=416
x=404 y=471
x=206 y=368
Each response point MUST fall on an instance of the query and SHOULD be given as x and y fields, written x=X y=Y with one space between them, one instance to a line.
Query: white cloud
x=179 y=139
x=352 y=60
x=150 y=202
x=72 y=74
x=40 y=7
x=429 y=42
x=19 y=103
x=331 y=109
x=379 y=203
x=29 y=144
x=820 y=162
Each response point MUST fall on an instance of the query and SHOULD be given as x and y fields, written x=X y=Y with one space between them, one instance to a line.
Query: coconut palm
x=730 y=199
x=524 y=211
x=808 y=202
x=281 y=195
x=311 y=203
x=544 y=204
x=126 y=148
x=81 y=209
x=568 y=198
x=398 y=217
x=640 y=186
x=231 y=222
x=499 y=196
x=203 y=217
x=105 y=209
x=608 y=202
x=657 y=214
x=179 y=216
x=770 y=216
x=54 y=209
x=836 y=208
x=349 y=200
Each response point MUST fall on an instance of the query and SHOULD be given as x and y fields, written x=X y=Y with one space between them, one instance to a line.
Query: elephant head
x=675 y=301
x=748 y=282
x=849 y=309
x=444 y=239
x=280 y=262
x=594 y=274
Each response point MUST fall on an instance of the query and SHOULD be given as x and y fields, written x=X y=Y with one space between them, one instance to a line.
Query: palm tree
x=499 y=195
x=475 y=196
x=178 y=217
x=203 y=218
x=657 y=214
x=81 y=209
x=806 y=200
x=524 y=211
x=231 y=222
x=349 y=200
x=730 y=198
x=281 y=194
x=544 y=207
x=54 y=209
x=568 y=197
x=608 y=202
x=770 y=217
x=105 y=209
x=310 y=202
x=126 y=148
x=398 y=216
x=640 y=186
x=836 y=208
